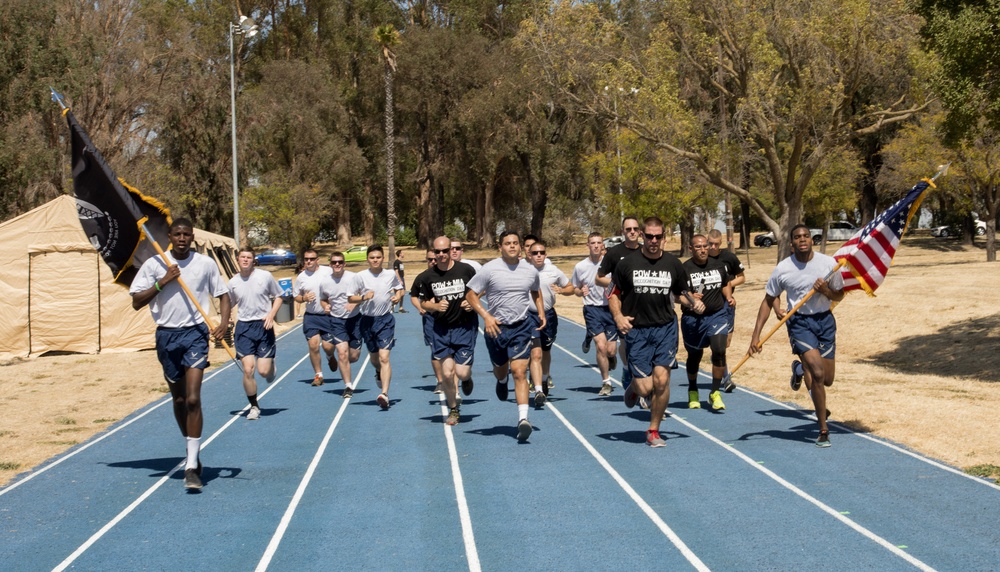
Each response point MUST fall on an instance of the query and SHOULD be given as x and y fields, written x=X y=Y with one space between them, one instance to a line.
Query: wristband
x=157 y=286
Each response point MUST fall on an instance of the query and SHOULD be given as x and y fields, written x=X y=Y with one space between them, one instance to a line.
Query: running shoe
x=332 y=362
x=715 y=400
x=438 y=388
x=467 y=385
x=653 y=439
x=797 y=373
x=606 y=389
x=643 y=403
x=626 y=376
x=631 y=397
x=523 y=430
x=549 y=383
x=348 y=393
x=727 y=383
x=586 y=345
x=539 y=399
x=453 y=416
x=254 y=413
x=191 y=479
x=317 y=379
x=693 y=401
x=403 y=311
x=823 y=441
x=612 y=363
x=502 y=390
x=383 y=401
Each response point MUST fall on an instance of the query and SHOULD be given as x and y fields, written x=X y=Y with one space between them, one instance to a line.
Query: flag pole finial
x=942 y=171
x=58 y=98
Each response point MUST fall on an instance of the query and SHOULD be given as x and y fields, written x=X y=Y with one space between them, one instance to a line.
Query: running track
x=323 y=483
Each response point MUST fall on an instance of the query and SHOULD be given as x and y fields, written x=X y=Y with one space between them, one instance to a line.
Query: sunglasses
x=336 y=262
x=653 y=236
x=309 y=258
x=458 y=248
x=632 y=229
x=537 y=252
x=432 y=260
x=440 y=250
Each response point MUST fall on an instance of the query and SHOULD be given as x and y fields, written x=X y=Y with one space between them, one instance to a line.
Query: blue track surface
x=323 y=483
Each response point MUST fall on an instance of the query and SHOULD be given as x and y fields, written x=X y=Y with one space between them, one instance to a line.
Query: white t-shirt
x=253 y=294
x=796 y=279
x=584 y=274
x=475 y=265
x=172 y=308
x=309 y=282
x=549 y=275
x=383 y=285
x=336 y=290
x=508 y=288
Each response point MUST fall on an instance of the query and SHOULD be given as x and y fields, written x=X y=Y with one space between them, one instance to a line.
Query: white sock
x=607 y=381
x=522 y=411
x=538 y=387
x=193 y=447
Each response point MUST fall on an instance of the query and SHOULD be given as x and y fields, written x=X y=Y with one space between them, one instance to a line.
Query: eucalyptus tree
x=965 y=36
x=792 y=71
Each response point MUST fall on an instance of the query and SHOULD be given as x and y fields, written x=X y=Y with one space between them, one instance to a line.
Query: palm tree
x=387 y=36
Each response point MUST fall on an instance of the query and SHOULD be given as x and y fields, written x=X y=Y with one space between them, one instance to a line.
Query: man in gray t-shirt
x=510 y=285
x=812 y=330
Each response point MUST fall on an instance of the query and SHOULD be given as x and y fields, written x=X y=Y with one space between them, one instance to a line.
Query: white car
x=841 y=230
x=949 y=230
x=767 y=240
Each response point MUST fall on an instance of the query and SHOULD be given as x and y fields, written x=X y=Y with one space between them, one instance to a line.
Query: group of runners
x=628 y=292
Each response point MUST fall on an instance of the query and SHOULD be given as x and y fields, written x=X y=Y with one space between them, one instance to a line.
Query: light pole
x=248 y=29
x=618 y=151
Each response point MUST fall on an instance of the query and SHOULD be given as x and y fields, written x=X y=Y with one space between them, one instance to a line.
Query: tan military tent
x=56 y=294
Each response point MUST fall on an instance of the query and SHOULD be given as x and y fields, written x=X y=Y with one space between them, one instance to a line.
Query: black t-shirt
x=709 y=279
x=451 y=285
x=733 y=265
x=397 y=266
x=612 y=257
x=645 y=286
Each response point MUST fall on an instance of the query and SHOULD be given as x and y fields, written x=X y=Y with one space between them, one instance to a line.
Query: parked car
x=356 y=254
x=613 y=241
x=276 y=257
x=767 y=240
x=841 y=230
x=949 y=230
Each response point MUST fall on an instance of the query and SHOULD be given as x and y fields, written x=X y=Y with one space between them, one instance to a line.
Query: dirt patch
x=919 y=364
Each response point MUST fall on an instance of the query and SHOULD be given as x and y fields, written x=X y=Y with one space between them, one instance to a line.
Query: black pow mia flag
x=111 y=212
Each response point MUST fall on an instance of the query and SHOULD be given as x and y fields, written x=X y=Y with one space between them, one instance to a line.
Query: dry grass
x=918 y=365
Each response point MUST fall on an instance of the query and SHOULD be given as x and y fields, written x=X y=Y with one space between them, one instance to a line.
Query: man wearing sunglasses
x=442 y=292
x=457 y=251
x=614 y=255
x=315 y=322
x=426 y=318
x=335 y=291
x=552 y=281
x=511 y=285
x=641 y=303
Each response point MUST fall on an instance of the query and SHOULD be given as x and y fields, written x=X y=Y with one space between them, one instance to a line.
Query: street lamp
x=618 y=151
x=248 y=29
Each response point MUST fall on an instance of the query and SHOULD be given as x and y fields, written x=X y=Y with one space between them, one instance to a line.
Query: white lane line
x=104 y=436
x=843 y=428
x=812 y=500
x=799 y=492
x=892 y=446
x=286 y=519
x=643 y=505
x=111 y=524
x=463 y=506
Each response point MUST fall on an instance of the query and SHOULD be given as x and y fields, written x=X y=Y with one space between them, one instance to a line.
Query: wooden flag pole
x=208 y=321
x=787 y=315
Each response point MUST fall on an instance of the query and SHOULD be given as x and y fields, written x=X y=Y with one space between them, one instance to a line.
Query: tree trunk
x=368 y=213
x=537 y=194
x=344 y=218
x=390 y=170
x=425 y=186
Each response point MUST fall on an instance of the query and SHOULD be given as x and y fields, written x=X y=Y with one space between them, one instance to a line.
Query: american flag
x=868 y=254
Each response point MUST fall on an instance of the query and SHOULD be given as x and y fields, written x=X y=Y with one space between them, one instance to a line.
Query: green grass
x=105 y=420
x=8 y=466
x=65 y=421
x=8 y=434
x=986 y=471
x=60 y=443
